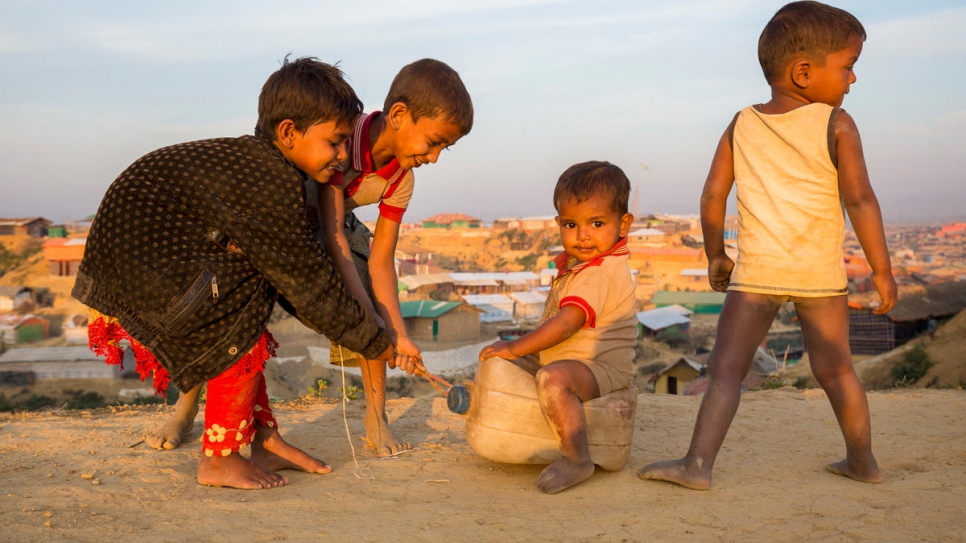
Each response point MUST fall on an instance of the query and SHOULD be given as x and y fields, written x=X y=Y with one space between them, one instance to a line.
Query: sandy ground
x=74 y=476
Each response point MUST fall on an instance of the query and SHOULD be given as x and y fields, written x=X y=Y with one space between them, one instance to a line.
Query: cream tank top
x=791 y=224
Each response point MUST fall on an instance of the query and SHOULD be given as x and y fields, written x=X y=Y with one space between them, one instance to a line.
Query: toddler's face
x=591 y=227
x=830 y=83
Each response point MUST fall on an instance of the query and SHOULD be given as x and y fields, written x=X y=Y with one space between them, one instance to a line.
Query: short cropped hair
x=308 y=92
x=432 y=89
x=589 y=179
x=804 y=29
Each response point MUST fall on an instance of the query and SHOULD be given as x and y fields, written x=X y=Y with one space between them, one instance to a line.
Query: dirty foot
x=563 y=474
x=862 y=473
x=380 y=437
x=175 y=430
x=271 y=452
x=678 y=472
x=236 y=471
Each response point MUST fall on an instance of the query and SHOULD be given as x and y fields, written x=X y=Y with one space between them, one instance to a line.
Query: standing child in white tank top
x=796 y=160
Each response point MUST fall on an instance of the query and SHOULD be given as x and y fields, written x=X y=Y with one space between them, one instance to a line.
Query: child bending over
x=426 y=110
x=192 y=245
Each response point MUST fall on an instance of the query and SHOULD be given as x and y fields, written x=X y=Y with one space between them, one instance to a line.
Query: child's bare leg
x=742 y=325
x=562 y=387
x=174 y=430
x=272 y=453
x=825 y=326
x=378 y=433
x=236 y=471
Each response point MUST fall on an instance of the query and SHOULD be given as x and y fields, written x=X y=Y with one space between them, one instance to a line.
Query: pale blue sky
x=89 y=86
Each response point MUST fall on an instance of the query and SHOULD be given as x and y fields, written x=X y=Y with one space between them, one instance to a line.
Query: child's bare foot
x=380 y=436
x=563 y=474
x=862 y=473
x=172 y=432
x=236 y=471
x=678 y=471
x=271 y=452
x=175 y=430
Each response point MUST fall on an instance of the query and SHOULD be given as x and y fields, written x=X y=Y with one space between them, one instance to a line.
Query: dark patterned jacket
x=192 y=245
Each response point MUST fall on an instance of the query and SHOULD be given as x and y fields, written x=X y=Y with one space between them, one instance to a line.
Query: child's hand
x=388 y=355
x=408 y=357
x=497 y=348
x=719 y=272
x=885 y=285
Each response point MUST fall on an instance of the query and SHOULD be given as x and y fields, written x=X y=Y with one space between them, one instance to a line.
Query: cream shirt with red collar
x=391 y=186
x=604 y=290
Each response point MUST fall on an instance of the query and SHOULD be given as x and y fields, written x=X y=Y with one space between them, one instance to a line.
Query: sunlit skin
x=746 y=317
x=318 y=151
x=269 y=453
x=591 y=227
x=393 y=134
x=588 y=229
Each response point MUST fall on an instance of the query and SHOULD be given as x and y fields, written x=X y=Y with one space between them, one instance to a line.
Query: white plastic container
x=504 y=422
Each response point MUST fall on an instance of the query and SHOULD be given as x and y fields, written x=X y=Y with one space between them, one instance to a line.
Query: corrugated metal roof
x=663 y=317
x=426 y=308
x=11 y=291
x=477 y=283
x=683 y=360
x=485 y=299
x=10 y=321
x=416 y=281
x=529 y=297
x=494 y=314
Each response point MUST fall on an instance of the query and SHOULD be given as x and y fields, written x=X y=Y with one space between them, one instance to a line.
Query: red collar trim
x=362 y=154
x=560 y=261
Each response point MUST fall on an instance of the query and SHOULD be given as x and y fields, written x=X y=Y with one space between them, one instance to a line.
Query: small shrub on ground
x=87 y=400
x=913 y=365
x=36 y=402
x=320 y=385
x=351 y=392
x=147 y=400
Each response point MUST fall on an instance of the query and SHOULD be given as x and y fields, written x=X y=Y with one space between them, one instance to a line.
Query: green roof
x=667 y=297
x=426 y=308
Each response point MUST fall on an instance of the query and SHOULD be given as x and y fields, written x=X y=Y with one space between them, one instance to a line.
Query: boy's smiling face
x=591 y=227
x=829 y=83
x=319 y=151
x=420 y=142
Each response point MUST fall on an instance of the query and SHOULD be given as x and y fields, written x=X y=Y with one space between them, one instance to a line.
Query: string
x=345 y=420
x=360 y=472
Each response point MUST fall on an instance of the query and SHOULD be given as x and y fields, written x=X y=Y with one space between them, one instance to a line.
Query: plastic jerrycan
x=504 y=422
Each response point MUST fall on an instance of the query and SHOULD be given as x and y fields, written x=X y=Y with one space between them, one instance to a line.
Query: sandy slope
x=769 y=482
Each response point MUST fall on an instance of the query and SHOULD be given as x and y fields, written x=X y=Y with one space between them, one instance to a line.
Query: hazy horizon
x=89 y=87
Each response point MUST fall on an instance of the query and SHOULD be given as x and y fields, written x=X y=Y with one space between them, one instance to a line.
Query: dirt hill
x=946 y=349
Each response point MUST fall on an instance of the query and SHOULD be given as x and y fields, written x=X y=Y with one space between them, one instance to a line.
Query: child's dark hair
x=308 y=92
x=432 y=89
x=804 y=29
x=588 y=179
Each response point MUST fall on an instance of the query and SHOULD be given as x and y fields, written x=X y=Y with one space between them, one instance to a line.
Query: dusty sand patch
x=769 y=484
